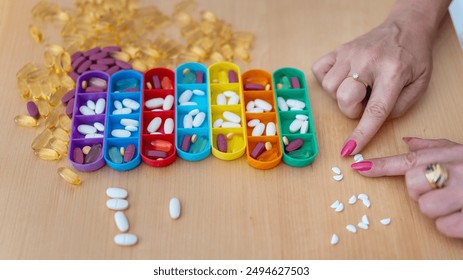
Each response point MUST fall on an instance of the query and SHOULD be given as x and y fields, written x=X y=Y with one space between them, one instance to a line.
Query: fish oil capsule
x=35 y=33
x=47 y=154
x=69 y=176
x=44 y=108
x=52 y=119
x=60 y=146
x=26 y=121
x=42 y=139
x=65 y=122
x=61 y=134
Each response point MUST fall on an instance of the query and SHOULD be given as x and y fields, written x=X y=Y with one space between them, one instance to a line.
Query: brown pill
x=293 y=145
x=93 y=154
x=70 y=108
x=222 y=144
x=129 y=153
x=78 y=155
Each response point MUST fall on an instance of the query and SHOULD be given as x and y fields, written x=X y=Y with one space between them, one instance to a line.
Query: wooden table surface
x=231 y=210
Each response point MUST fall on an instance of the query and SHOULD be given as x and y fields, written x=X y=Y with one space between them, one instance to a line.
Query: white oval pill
x=217 y=123
x=295 y=126
x=193 y=112
x=294 y=103
x=174 y=208
x=118 y=104
x=189 y=103
x=235 y=99
x=84 y=110
x=282 y=104
x=253 y=122
x=131 y=128
x=230 y=125
x=199 y=119
x=187 y=121
x=221 y=99
x=123 y=111
x=115 y=192
x=256 y=110
x=270 y=129
x=154 y=103
x=302 y=117
x=258 y=130
x=198 y=92
x=125 y=239
x=120 y=133
x=232 y=117
x=100 y=106
x=338 y=177
x=94 y=135
x=130 y=103
x=168 y=126
x=334 y=239
x=117 y=204
x=267 y=107
x=229 y=93
x=185 y=96
x=126 y=122
x=304 y=127
x=86 y=129
x=250 y=106
x=154 y=124
x=91 y=105
x=121 y=221
x=99 y=126
x=168 y=103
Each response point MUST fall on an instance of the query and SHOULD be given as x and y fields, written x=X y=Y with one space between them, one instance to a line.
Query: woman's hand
x=444 y=204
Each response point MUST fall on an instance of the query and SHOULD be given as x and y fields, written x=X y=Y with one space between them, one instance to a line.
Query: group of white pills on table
x=118 y=202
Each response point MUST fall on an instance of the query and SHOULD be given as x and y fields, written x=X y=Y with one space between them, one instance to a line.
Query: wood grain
x=230 y=210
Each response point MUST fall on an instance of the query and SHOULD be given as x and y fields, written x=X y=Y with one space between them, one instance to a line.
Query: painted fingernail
x=348 y=148
x=362 y=165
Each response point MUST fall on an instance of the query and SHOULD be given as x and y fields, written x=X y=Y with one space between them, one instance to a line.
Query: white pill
x=155 y=133
x=267 y=107
x=185 y=96
x=304 y=127
x=100 y=106
x=217 y=123
x=198 y=92
x=362 y=196
x=385 y=221
x=351 y=228
x=338 y=177
x=362 y=225
x=302 y=117
x=232 y=117
x=221 y=99
x=335 y=204
x=365 y=220
x=91 y=105
x=258 y=130
x=189 y=103
x=99 y=126
x=130 y=103
x=117 y=204
x=336 y=170
x=229 y=93
x=118 y=104
x=115 y=192
x=334 y=239
x=294 y=103
x=250 y=105
x=340 y=207
x=270 y=129
x=125 y=239
x=94 y=135
x=253 y=122
x=168 y=103
x=154 y=103
x=295 y=126
x=193 y=112
x=256 y=110
x=131 y=128
x=174 y=208
x=357 y=157
x=86 y=129
x=84 y=110
x=168 y=126
x=126 y=122
x=188 y=121
x=199 y=119
x=123 y=111
x=230 y=125
x=154 y=124
x=295 y=109
x=120 y=133
x=367 y=203
x=235 y=99
x=352 y=200
x=121 y=221
x=282 y=104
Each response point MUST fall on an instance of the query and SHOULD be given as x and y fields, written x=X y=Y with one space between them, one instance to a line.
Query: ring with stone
x=356 y=77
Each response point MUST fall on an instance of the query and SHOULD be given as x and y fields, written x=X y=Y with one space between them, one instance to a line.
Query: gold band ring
x=436 y=175
x=356 y=77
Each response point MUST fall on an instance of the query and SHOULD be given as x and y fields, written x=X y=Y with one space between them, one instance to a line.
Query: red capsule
x=129 y=153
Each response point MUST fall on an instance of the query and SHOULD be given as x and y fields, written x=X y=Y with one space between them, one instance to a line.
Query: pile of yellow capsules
x=140 y=31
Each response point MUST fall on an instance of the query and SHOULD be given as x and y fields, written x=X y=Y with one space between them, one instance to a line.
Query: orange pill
x=166 y=83
x=161 y=145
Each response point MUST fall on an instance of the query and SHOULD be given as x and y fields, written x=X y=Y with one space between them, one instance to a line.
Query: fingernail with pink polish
x=348 y=148
x=362 y=165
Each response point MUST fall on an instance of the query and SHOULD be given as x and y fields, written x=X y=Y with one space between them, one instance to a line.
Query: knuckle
x=425 y=207
x=412 y=192
x=377 y=110
x=411 y=159
x=329 y=85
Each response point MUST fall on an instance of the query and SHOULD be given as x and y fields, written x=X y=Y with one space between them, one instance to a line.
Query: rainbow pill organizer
x=192 y=112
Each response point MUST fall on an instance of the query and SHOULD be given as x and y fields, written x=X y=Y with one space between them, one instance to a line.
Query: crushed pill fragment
x=336 y=170
x=385 y=221
x=338 y=177
x=365 y=220
x=335 y=204
x=352 y=199
x=351 y=228
x=334 y=239
x=340 y=207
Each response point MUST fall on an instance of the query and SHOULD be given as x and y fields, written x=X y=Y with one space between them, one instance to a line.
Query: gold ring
x=436 y=175
x=356 y=77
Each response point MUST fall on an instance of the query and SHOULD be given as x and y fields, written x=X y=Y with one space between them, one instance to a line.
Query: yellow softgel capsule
x=26 y=121
x=47 y=154
x=60 y=146
x=44 y=108
x=61 y=134
x=36 y=34
x=65 y=122
x=69 y=176
x=42 y=139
